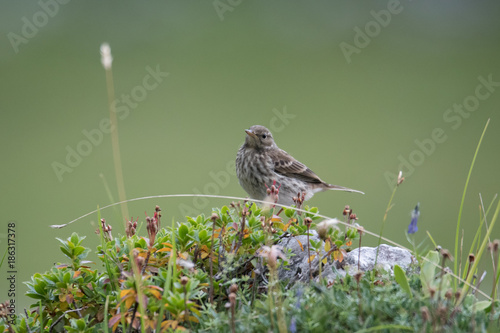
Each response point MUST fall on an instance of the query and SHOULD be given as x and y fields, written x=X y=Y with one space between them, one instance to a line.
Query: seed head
x=324 y=226
x=358 y=276
x=432 y=291
x=184 y=280
x=308 y=221
x=233 y=288
x=446 y=254
x=426 y=315
x=400 y=178
x=106 y=58
x=271 y=254
x=448 y=294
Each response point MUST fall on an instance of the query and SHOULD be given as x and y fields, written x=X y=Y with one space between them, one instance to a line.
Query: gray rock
x=298 y=266
x=388 y=256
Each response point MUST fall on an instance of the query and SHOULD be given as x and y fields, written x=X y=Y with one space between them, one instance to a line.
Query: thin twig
x=64 y=313
x=146 y=262
x=27 y=326
x=133 y=317
x=309 y=255
x=211 y=292
x=359 y=251
x=106 y=52
x=186 y=309
x=242 y=228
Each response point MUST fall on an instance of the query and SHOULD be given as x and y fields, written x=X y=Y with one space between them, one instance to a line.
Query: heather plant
x=219 y=273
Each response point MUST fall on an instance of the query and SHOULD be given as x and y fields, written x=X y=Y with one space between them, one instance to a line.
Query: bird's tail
x=342 y=188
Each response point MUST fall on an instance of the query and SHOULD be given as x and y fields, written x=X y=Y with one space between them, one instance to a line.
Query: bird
x=260 y=163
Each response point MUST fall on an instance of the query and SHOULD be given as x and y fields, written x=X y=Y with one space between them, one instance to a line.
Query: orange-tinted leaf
x=276 y=218
x=155 y=287
x=300 y=244
x=77 y=274
x=129 y=301
x=337 y=255
x=126 y=292
x=348 y=243
x=279 y=225
x=63 y=306
x=165 y=249
x=155 y=293
x=114 y=321
x=311 y=258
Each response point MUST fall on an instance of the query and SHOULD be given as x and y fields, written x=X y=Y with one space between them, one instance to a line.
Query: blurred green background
x=359 y=82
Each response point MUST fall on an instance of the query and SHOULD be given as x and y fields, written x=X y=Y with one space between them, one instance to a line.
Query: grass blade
x=455 y=268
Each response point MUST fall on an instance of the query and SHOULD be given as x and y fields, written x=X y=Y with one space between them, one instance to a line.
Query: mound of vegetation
x=218 y=273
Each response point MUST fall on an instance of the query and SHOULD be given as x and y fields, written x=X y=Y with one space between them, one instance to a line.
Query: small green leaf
x=183 y=231
x=66 y=253
x=224 y=210
x=482 y=306
x=203 y=235
x=400 y=277
x=78 y=250
x=428 y=270
x=67 y=277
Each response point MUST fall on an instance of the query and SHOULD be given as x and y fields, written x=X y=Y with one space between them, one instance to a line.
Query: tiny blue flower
x=412 y=228
x=293 y=325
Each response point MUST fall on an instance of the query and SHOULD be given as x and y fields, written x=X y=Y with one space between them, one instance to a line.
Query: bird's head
x=259 y=137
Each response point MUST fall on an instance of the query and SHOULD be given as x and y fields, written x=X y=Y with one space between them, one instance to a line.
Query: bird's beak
x=250 y=133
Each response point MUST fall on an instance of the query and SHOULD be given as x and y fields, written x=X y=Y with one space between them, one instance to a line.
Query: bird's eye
x=264 y=136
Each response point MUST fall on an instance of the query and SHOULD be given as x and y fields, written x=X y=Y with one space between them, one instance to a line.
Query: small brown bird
x=259 y=162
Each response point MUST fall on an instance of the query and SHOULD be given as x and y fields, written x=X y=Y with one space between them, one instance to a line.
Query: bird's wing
x=288 y=166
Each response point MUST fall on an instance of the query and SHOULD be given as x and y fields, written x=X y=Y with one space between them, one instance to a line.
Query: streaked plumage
x=259 y=162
